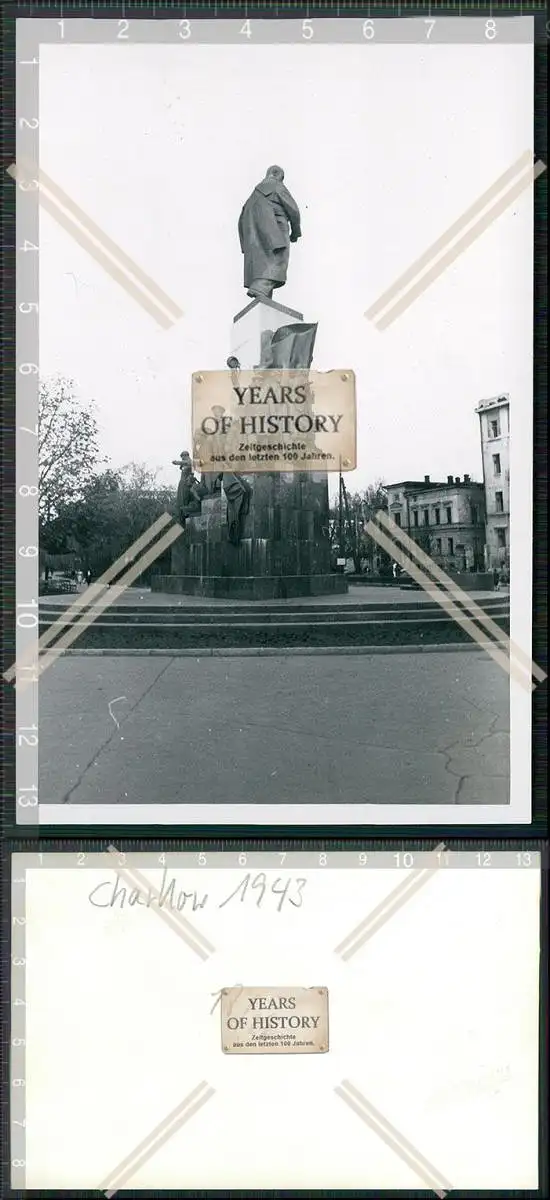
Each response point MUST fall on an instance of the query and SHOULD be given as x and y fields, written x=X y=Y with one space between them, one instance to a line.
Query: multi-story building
x=494 y=426
x=447 y=520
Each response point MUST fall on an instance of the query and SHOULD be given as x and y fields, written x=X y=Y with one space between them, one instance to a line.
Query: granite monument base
x=251 y=587
x=283 y=552
x=252 y=323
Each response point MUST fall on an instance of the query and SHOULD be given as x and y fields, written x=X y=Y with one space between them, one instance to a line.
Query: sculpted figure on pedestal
x=269 y=222
x=188 y=498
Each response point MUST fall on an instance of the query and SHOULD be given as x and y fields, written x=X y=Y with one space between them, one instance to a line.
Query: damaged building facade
x=494 y=428
x=446 y=520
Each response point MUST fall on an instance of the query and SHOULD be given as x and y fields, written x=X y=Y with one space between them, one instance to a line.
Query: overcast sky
x=383 y=146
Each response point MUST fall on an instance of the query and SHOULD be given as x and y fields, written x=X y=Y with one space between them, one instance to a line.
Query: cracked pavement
x=400 y=728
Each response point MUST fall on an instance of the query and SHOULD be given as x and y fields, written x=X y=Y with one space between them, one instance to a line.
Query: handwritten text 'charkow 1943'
x=254 y=889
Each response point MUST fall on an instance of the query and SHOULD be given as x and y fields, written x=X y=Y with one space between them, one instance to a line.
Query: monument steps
x=232 y=626
x=253 y=613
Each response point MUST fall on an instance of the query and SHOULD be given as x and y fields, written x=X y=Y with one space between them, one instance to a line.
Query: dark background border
x=127 y=838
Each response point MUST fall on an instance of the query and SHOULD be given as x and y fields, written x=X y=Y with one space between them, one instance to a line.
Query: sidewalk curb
x=278 y=652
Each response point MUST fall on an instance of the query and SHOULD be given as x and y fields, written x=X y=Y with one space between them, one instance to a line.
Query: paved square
x=397 y=728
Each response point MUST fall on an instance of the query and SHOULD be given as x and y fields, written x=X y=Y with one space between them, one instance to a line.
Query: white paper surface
x=434 y=1020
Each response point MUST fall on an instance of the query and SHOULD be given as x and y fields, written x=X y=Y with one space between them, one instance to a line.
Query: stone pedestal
x=284 y=550
x=249 y=325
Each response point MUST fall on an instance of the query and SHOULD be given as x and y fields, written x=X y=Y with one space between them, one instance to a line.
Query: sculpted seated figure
x=191 y=493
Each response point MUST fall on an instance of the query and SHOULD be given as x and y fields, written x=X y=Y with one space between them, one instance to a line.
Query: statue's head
x=275 y=173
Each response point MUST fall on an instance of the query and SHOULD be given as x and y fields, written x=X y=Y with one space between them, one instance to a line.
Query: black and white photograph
x=343 y=642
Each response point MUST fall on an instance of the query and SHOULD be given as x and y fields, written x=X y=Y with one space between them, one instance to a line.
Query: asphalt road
x=396 y=728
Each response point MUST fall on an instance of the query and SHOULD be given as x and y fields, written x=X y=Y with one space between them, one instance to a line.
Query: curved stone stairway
x=180 y=626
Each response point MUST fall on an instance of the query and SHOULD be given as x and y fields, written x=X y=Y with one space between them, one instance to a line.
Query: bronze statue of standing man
x=269 y=222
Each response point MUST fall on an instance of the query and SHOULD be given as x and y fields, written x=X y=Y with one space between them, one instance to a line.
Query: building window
x=451 y=546
x=426 y=516
x=415 y=516
x=501 y=538
x=438 y=516
x=494 y=430
x=397 y=519
x=496 y=464
x=449 y=514
x=499 y=501
x=474 y=515
x=438 y=545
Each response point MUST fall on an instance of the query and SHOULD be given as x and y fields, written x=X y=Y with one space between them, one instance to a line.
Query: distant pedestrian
x=88 y=577
x=395 y=570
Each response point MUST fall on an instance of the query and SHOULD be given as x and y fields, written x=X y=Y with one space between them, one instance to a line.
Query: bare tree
x=68 y=452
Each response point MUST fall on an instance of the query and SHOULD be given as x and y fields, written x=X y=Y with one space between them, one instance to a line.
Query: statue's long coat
x=237 y=492
x=264 y=233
